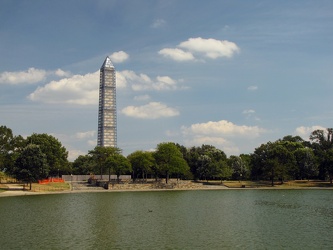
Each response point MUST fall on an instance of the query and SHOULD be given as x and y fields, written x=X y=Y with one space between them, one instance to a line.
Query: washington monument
x=107 y=111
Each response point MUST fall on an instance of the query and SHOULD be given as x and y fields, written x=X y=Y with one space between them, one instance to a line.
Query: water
x=214 y=219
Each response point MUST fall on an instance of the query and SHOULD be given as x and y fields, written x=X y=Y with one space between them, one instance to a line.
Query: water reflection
x=215 y=219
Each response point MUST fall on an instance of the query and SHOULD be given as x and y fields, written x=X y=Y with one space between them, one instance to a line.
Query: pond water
x=212 y=219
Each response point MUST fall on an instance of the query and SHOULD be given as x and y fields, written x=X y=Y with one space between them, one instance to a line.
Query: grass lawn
x=49 y=187
x=3 y=188
x=286 y=184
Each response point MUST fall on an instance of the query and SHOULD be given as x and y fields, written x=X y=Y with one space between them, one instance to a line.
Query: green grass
x=286 y=184
x=3 y=188
x=50 y=187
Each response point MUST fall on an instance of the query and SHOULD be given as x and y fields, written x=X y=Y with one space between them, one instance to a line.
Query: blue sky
x=233 y=74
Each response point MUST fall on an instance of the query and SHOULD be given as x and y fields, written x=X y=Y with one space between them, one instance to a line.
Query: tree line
x=290 y=158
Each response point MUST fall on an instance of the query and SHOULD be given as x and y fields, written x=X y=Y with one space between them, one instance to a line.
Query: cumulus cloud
x=305 y=132
x=85 y=135
x=252 y=88
x=210 y=48
x=119 y=57
x=222 y=128
x=140 y=82
x=250 y=113
x=228 y=147
x=78 y=89
x=74 y=154
x=141 y=98
x=158 y=23
x=83 y=89
x=217 y=134
x=152 y=110
x=30 y=76
x=176 y=54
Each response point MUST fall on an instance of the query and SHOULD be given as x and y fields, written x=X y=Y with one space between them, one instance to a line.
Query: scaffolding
x=107 y=111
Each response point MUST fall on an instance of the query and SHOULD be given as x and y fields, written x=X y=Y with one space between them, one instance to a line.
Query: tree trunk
x=30 y=186
x=167 y=177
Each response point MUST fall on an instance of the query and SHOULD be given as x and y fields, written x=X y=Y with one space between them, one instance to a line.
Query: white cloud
x=305 y=132
x=211 y=48
x=218 y=142
x=78 y=89
x=248 y=112
x=222 y=128
x=29 y=76
x=86 y=134
x=252 y=88
x=73 y=154
x=61 y=73
x=152 y=110
x=140 y=82
x=176 y=54
x=119 y=57
x=158 y=23
x=216 y=134
x=83 y=89
x=92 y=143
x=142 y=98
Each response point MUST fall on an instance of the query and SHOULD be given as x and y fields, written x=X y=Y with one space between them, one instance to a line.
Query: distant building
x=107 y=112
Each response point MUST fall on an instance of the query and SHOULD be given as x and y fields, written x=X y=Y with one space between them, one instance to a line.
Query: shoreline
x=13 y=190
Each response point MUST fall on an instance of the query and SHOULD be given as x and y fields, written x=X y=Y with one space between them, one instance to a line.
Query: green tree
x=84 y=164
x=100 y=155
x=170 y=160
x=31 y=165
x=238 y=166
x=142 y=163
x=118 y=164
x=306 y=162
x=6 y=146
x=272 y=160
x=10 y=147
x=202 y=160
x=322 y=143
x=56 y=154
x=221 y=170
x=328 y=163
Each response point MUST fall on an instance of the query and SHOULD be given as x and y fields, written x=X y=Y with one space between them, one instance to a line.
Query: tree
x=56 y=154
x=205 y=167
x=221 y=170
x=328 y=164
x=202 y=160
x=10 y=147
x=84 y=164
x=306 y=162
x=142 y=163
x=322 y=143
x=273 y=160
x=6 y=146
x=238 y=166
x=100 y=155
x=118 y=164
x=170 y=160
x=31 y=165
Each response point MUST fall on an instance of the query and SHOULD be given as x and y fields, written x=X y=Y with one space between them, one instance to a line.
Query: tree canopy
x=31 y=165
x=170 y=160
x=288 y=158
x=56 y=154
